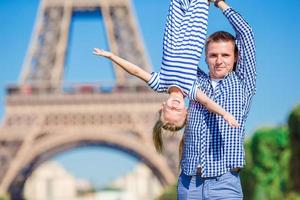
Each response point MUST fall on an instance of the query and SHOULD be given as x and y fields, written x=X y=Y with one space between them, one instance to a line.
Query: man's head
x=221 y=54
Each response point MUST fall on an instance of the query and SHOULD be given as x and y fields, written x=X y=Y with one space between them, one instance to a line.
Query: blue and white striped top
x=184 y=39
x=208 y=139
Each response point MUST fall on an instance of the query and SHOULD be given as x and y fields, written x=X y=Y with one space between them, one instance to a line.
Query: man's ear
x=186 y=111
x=236 y=58
x=206 y=62
x=162 y=105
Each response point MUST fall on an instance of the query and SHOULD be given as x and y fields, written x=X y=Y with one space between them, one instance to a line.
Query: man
x=213 y=152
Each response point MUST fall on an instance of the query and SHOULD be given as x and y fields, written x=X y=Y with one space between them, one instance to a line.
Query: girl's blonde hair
x=158 y=129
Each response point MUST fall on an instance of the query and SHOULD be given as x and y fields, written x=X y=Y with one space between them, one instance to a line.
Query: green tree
x=294 y=126
x=169 y=194
x=247 y=173
x=270 y=156
x=5 y=197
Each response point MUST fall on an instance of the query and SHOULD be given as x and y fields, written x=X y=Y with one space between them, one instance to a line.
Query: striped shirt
x=184 y=39
x=208 y=139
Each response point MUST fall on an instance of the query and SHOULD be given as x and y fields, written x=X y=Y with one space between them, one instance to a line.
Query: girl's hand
x=101 y=52
x=231 y=120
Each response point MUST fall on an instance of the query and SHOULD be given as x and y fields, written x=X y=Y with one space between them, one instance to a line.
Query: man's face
x=220 y=58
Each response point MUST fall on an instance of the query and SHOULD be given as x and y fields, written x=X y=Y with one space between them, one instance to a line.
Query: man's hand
x=101 y=52
x=229 y=118
x=220 y=4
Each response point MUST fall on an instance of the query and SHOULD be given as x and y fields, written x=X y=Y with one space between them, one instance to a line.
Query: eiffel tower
x=43 y=119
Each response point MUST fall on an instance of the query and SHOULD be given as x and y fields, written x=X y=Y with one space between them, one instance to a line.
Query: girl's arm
x=215 y=108
x=126 y=65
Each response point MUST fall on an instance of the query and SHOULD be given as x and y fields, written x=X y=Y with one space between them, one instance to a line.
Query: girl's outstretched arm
x=126 y=65
x=215 y=108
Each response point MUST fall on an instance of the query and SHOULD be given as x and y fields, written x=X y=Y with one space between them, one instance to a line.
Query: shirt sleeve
x=154 y=81
x=246 y=64
x=193 y=92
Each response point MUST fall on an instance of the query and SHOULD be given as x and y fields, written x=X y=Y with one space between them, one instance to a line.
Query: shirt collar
x=221 y=79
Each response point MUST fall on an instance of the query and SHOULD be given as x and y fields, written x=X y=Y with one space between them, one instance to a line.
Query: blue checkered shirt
x=208 y=140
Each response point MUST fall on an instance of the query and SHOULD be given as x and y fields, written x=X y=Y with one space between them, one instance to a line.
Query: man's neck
x=215 y=78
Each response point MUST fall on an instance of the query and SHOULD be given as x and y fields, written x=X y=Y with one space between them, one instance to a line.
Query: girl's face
x=174 y=110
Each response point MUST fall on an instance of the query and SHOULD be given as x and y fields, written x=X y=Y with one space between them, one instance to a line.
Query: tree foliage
x=270 y=157
x=5 y=197
x=169 y=194
x=247 y=175
x=294 y=125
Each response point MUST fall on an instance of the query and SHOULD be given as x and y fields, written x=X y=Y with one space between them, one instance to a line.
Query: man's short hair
x=224 y=37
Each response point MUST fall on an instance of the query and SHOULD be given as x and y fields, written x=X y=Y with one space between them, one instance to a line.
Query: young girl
x=184 y=38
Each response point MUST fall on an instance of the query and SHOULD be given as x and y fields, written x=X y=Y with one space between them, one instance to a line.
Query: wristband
x=216 y=2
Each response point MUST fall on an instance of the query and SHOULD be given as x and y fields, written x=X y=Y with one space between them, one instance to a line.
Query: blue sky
x=276 y=27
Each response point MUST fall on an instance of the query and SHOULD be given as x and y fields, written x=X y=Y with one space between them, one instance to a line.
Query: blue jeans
x=224 y=187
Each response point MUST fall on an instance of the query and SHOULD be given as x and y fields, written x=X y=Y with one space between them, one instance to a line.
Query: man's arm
x=246 y=64
x=126 y=65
